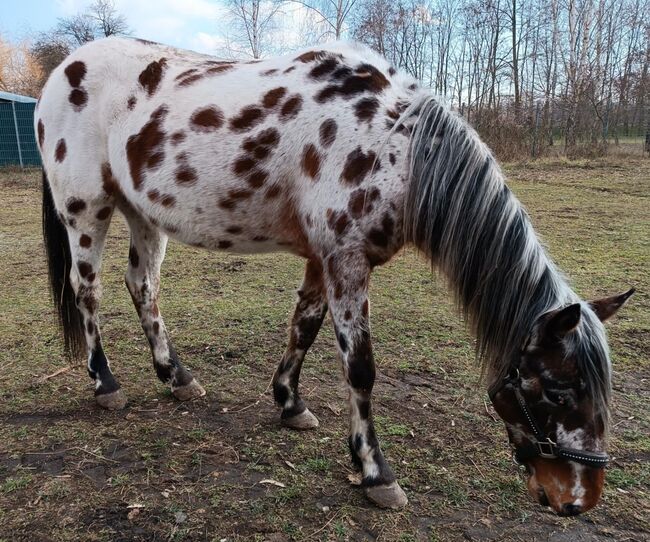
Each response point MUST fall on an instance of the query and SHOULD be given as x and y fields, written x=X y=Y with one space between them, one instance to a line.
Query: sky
x=191 y=24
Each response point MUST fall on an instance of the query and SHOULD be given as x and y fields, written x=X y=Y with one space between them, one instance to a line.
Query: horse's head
x=554 y=403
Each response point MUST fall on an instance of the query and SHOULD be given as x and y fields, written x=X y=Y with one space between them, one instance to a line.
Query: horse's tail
x=59 y=262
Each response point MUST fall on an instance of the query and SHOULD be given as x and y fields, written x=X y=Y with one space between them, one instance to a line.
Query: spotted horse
x=335 y=156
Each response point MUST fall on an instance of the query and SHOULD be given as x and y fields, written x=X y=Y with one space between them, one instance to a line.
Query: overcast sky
x=191 y=24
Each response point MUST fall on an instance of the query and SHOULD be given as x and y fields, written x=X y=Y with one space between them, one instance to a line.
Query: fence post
x=20 y=152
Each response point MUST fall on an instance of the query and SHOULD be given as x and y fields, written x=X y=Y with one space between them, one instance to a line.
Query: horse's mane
x=460 y=212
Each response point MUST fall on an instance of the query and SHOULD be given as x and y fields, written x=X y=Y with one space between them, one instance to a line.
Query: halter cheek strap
x=542 y=445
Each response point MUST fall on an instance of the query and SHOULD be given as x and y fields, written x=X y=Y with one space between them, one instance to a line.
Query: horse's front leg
x=306 y=321
x=347 y=292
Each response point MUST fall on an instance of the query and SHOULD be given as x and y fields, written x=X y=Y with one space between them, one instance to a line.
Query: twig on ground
x=45 y=378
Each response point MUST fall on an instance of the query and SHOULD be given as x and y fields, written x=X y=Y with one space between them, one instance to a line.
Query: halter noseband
x=542 y=445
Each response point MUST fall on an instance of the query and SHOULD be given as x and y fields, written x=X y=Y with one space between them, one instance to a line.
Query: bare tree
x=101 y=19
x=332 y=13
x=108 y=21
x=49 y=50
x=252 y=22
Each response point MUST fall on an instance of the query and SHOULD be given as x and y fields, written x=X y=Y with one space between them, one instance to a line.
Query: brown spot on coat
x=364 y=78
x=357 y=165
x=248 y=117
x=361 y=201
x=178 y=137
x=130 y=103
x=156 y=327
x=185 y=74
x=154 y=195
x=109 y=182
x=187 y=81
x=234 y=229
x=327 y=132
x=291 y=107
x=257 y=178
x=78 y=98
x=272 y=71
x=391 y=159
x=273 y=97
x=85 y=241
x=206 y=119
x=243 y=165
x=41 y=133
x=145 y=150
x=60 y=150
x=185 y=173
x=311 y=56
x=338 y=221
x=104 y=213
x=323 y=68
x=152 y=75
x=366 y=108
x=168 y=200
x=225 y=244
x=75 y=205
x=311 y=160
x=220 y=68
x=75 y=72
x=273 y=191
x=266 y=138
x=85 y=269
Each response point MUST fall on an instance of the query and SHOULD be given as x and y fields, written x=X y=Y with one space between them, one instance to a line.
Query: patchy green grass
x=222 y=467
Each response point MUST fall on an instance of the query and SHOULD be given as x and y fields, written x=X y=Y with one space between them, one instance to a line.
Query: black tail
x=59 y=261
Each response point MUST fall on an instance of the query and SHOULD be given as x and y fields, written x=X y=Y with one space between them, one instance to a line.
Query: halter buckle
x=546 y=449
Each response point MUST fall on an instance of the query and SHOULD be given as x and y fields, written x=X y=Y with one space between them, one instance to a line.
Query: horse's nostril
x=570 y=509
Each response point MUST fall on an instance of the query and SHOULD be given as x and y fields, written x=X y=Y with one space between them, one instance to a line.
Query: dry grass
x=161 y=470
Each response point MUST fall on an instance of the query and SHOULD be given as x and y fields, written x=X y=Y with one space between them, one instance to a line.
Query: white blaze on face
x=577 y=490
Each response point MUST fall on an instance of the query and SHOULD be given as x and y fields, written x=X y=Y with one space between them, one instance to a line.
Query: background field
x=162 y=470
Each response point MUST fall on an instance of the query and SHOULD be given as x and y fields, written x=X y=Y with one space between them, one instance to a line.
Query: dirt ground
x=221 y=468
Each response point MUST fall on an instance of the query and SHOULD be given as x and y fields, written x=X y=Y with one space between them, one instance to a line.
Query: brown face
x=557 y=395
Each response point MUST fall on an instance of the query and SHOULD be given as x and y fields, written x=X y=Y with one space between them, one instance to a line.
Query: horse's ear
x=607 y=307
x=563 y=321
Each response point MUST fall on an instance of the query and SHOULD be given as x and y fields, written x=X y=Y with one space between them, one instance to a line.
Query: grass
x=69 y=471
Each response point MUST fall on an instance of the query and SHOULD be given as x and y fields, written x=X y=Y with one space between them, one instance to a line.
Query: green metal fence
x=17 y=141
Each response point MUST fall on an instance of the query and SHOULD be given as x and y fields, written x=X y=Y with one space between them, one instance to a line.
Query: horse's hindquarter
x=252 y=156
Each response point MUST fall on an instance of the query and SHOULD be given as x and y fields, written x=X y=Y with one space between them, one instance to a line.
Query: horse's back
x=239 y=155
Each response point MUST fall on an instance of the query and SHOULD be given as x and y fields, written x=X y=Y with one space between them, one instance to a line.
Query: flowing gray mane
x=460 y=212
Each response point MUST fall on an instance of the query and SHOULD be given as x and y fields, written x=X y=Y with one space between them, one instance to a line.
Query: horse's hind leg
x=146 y=255
x=87 y=222
x=306 y=321
x=346 y=278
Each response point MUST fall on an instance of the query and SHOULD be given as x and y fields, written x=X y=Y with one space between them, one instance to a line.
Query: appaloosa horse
x=333 y=155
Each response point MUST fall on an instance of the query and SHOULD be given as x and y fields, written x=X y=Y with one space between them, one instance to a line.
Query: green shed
x=17 y=141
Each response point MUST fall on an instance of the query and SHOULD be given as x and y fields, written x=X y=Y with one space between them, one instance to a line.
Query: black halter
x=543 y=446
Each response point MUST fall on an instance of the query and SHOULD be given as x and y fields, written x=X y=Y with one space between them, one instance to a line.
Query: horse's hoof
x=387 y=496
x=303 y=421
x=188 y=391
x=115 y=400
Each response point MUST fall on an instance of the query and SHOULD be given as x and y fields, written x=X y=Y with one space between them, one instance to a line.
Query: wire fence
x=17 y=140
